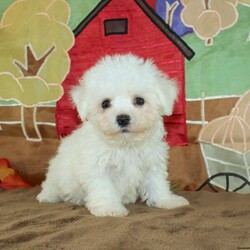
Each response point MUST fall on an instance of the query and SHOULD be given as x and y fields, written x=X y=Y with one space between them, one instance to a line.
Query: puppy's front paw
x=46 y=197
x=170 y=202
x=115 y=211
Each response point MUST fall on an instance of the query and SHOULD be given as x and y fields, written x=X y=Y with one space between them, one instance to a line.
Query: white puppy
x=118 y=154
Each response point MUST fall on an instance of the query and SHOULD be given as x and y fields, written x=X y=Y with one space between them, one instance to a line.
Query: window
x=116 y=26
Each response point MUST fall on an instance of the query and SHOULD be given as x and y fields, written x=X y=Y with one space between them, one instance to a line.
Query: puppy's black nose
x=123 y=120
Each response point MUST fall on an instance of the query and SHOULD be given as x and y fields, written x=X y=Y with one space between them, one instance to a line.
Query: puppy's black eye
x=106 y=104
x=139 y=101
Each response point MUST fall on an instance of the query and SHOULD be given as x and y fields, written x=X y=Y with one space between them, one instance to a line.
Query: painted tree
x=209 y=17
x=245 y=2
x=170 y=10
x=34 y=44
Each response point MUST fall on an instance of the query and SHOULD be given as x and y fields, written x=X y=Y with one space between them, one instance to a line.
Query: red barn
x=120 y=27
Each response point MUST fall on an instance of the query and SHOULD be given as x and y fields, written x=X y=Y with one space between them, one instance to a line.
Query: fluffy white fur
x=104 y=165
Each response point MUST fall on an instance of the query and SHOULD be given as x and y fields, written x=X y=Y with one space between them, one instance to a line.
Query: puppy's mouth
x=124 y=131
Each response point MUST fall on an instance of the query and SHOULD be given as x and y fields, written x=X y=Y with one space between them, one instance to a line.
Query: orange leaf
x=9 y=178
x=4 y=163
x=12 y=182
x=4 y=172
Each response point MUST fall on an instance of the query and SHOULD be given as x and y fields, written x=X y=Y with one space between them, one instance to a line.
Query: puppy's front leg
x=103 y=199
x=156 y=191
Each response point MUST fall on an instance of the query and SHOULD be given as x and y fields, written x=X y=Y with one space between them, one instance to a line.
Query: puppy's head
x=124 y=97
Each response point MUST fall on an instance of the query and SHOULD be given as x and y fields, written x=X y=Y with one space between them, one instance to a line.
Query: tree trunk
x=29 y=126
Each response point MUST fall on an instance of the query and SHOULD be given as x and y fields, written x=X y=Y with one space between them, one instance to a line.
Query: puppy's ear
x=78 y=96
x=167 y=93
